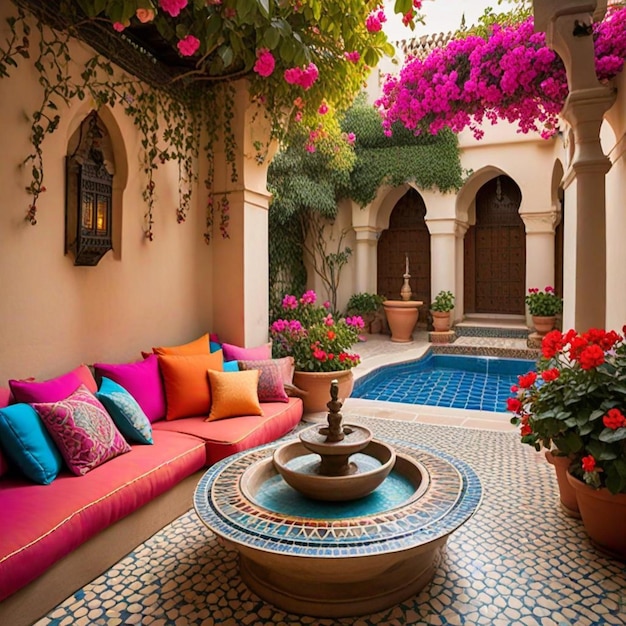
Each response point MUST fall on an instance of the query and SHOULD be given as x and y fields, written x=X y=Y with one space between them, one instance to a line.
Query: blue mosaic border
x=453 y=496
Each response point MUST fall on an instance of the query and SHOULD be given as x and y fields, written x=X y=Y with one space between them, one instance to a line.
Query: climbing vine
x=169 y=122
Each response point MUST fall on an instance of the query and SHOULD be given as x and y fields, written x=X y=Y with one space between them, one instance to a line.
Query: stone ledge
x=448 y=336
x=534 y=341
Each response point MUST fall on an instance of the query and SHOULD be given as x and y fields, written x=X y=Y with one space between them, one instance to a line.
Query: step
x=500 y=326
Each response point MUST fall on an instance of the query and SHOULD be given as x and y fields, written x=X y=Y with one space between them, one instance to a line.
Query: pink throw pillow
x=142 y=380
x=235 y=353
x=5 y=397
x=83 y=431
x=271 y=386
x=54 y=389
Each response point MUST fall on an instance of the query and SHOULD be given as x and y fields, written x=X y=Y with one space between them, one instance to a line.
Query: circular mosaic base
x=339 y=567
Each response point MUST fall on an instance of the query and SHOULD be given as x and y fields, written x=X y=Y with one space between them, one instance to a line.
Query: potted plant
x=320 y=345
x=440 y=310
x=575 y=406
x=368 y=306
x=544 y=306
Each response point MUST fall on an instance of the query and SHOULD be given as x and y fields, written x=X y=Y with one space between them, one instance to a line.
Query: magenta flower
x=173 y=7
x=323 y=109
x=265 y=63
x=308 y=297
x=374 y=21
x=290 y=302
x=305 y=78
x=188 y=46
x=118 y=26
x=353 y=56
x=310 y=147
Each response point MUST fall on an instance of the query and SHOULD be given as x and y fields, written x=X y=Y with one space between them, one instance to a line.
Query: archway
x=495 y=251
x=407 y=235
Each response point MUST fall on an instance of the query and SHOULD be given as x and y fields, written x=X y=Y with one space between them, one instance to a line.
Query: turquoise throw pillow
x=214 y=346
x=125 y=411
x=230 y=366
x=27 y=443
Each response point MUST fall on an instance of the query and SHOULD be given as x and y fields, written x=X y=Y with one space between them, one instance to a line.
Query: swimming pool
x=460 y=382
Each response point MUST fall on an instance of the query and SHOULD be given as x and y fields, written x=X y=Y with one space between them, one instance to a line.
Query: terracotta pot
x=317 y=387
x=543 y=323
x=567 y=494
x=441 y=321
x=402 y=316
x=604 y=517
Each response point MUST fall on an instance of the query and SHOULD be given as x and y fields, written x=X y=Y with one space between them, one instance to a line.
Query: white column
x=443 y=256
x=459 y=301
x=584 y=182
x=365 y=257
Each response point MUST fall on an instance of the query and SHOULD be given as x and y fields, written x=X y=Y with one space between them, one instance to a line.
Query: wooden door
x=495 y=251
x=407 y=234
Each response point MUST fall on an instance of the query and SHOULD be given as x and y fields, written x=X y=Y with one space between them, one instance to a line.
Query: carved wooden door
x=495 y=251
x=407 y=234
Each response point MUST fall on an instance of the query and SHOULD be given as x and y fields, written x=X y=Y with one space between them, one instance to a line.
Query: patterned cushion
x=234 y=394
x=126 y=413
x=28 y=444
x=143 y=382
x=271 y=387
x=83 y=431
x=235 y=353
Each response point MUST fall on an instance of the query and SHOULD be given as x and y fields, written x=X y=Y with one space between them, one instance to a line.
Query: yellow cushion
x=198 y=346
x=233 y=394
x=186 y=387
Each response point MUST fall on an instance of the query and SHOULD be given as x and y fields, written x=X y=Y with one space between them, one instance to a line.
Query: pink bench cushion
x=227 y=436
x=40 y=524
x=5 y=395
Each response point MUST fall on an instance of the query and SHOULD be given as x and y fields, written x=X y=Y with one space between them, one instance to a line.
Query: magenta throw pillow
x=83 y=431
x=235 y=353
x=143 y=382
x=52 y=390
x=271 y=387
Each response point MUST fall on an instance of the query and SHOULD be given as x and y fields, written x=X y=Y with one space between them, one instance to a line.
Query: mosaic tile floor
x=519 y=560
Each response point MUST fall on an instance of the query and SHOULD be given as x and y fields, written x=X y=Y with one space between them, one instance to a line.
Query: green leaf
x=264 y=7
x=271 y=37
x=226 y=54
x=402 y=6
x=608 y=435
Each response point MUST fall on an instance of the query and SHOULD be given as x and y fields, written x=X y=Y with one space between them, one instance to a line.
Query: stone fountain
x=402 y=314
x=337 y=523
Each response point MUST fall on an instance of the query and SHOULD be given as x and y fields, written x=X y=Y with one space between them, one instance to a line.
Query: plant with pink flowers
x=317 y=340
x=510 y=75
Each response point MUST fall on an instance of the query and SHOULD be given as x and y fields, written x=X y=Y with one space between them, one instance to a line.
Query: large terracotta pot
x=402 y=316
x=441 y=321
x=567 y=494
x=317 y=386
x=604 y=517
x=543 y=323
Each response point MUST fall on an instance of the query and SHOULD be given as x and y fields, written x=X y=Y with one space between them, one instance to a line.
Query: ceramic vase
x=567 y=494
x=317 y=387
x=401 y=316
x=543 y=323
x=604 y=517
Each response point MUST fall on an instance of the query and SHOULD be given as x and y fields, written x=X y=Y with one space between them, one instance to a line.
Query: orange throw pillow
x=198 y=346
x=186 y=387
x=234 y=394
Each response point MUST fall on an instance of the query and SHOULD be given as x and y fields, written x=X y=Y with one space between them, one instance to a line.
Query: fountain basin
x=352 y=486
x=359 y=563
x=402 y=316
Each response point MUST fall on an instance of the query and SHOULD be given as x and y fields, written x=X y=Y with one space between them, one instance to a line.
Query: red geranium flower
x=527 y=380
x=614 y=419
x=592 y=356
x=513 y=404
x=550 y=375
x=588 y=463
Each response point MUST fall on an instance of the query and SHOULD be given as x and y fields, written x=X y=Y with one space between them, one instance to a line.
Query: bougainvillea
x=509 y=75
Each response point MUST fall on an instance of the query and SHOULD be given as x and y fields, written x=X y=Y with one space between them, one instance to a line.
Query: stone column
x=567 y=24
x=539 y=249
x=240 y=263
x=460 y=229
x=365 y=258
x=443 y=256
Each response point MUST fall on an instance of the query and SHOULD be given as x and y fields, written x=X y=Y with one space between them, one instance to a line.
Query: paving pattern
x=518 y=560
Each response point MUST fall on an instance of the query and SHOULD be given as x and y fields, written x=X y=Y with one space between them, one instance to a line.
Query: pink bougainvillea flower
x=351 y=138
x=305 y=78
x=375 y=20
x=188 y=46
x=298 y=116
x=144 y=15
x=173 y=7
x=323 y=109
x=353 y=56
x=310 y=147
x=265 y=63
x=118 y=26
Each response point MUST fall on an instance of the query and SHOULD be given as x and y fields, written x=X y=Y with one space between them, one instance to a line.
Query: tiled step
x=505 y=326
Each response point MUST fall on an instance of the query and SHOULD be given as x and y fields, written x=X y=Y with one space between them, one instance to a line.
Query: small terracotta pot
x=317 y=387
x=543 y=323
x=567 y=494
x=441 y=321
x=604 y=517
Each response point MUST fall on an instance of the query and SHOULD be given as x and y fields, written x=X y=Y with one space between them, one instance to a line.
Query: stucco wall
x=54 y=315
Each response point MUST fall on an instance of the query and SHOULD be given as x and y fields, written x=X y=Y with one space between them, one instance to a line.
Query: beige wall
x=54 y=315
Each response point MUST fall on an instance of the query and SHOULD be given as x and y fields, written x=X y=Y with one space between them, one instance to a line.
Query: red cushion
x=227 y=436
x=40 y=524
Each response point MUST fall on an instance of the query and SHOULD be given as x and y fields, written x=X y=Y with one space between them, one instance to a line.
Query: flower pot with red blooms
x=319 y=343
x=543 y=306
x=575 y=404
x=567 y=494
